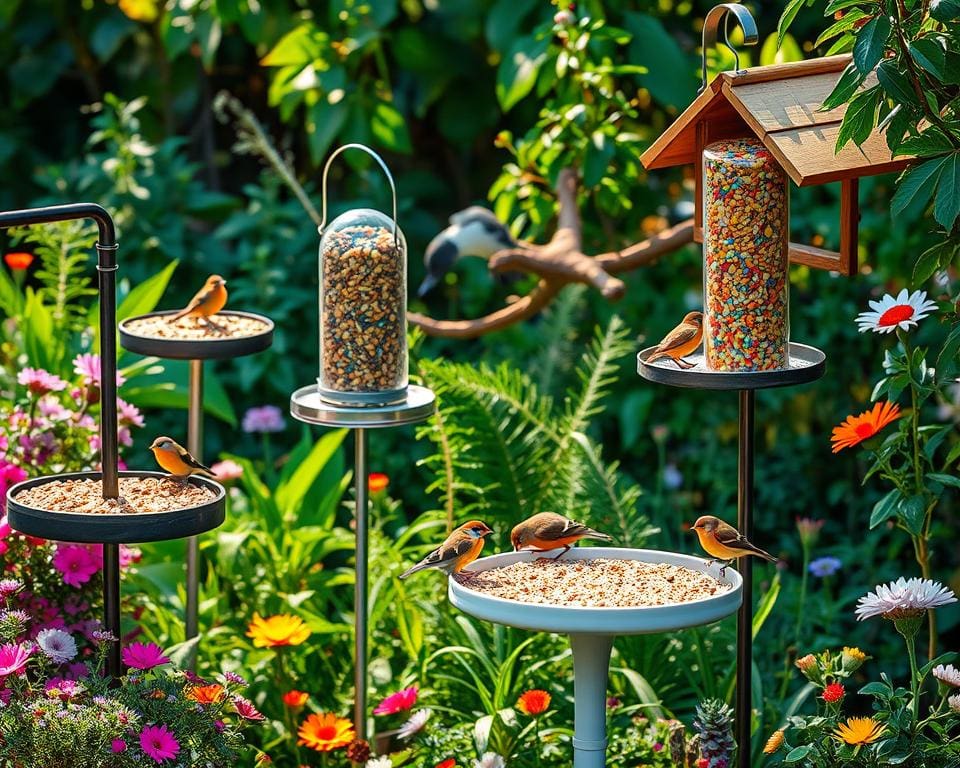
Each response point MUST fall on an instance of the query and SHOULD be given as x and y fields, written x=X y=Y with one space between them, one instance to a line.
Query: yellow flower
x=806 y=662
x=859 y=731
x=140 y=10
x=852 y=659
x=854 y=653
x=274 y=631
x=325 y=732
x=774 y=742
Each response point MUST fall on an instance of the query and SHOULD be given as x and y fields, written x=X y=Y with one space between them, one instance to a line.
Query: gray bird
x=474 y=231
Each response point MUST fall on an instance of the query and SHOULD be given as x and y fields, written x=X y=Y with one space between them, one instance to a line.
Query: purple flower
x=39 y=381
x=57 y=645
x=825 y=566
x=233 y=677
x=9 y=587
x=144 y=656
x=672 y=477
x=266 y=418
x=159 y=743
x=118 y=745
x=77 y=563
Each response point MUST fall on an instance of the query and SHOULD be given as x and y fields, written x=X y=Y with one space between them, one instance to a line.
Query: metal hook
x=386 y=171
x=711 y=25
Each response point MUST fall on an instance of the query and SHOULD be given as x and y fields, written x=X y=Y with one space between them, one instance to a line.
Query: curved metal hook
x=711 y=25
x=386 y=171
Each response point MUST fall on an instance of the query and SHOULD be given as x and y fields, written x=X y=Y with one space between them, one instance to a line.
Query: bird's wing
x=557 y=527
x=445 y=556
x=187 y=458
x=678 y=336
x=730 y=537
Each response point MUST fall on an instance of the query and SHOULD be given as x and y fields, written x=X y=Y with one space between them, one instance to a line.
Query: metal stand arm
x=360 y=585
x=743 y=714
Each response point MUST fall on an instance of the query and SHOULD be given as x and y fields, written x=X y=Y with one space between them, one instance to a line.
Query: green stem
x=912 y=653
x=536 y=736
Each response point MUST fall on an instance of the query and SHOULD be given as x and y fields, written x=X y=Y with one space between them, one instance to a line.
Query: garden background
x=118 y=103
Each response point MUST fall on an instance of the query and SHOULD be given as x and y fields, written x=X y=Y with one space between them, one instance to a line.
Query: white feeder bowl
x=592 y=630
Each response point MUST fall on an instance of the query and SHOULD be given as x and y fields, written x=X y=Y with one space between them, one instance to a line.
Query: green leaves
x=518 y=71
x=670 y=79
x=850 y=80
x=389 y=128
x=860 y=118
x=787 y=17
x=871 y=42
x=930 y=53
x=938 y=179
x=886 y=508
x=946 y=205
x=797 y=754
x=916 y=187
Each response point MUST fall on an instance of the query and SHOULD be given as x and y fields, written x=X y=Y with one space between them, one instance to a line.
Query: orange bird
x=177 y=460
x=546 y=531
x=458 y=550
x=207 y=302
x=724 y=542
x=681 y=341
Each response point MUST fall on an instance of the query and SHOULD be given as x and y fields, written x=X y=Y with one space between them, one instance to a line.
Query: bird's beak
x=428 y=284
x=223 y=282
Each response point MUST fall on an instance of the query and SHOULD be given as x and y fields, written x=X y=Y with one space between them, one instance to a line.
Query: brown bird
x=177 y=460
x=724 y=542
x=681 y=341
x=207 y=302
x=547 y=531
x=458 y=550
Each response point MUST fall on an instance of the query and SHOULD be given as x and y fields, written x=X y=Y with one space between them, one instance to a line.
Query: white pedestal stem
x=591 y=664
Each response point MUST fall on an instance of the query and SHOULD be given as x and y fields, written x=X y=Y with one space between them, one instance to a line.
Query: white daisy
x=490 y=760
x=57 y=645
x=947 y=674
x=415 y=724
x=903 y=598
x=891 y=313
x=380 y=762
x=954 y=702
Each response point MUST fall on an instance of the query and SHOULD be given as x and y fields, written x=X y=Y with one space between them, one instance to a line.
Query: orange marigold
x=325 y=732
x=206 y=694
x=534 y=702
x=856 y=429
x=18 y=261
x=377 y=482
x=278 y=630
x=294 y=698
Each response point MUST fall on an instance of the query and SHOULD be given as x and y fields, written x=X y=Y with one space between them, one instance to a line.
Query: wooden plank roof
x=785 y=116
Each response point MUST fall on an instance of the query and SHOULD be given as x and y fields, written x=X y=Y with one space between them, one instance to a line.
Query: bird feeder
x=780 y=107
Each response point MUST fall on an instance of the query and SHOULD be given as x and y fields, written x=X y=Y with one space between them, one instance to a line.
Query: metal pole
x=195 y=446
x=591 y=665
x=360 y=586
x=744 y=701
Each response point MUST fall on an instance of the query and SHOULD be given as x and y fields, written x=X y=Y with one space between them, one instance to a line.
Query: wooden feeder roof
x=779 y=104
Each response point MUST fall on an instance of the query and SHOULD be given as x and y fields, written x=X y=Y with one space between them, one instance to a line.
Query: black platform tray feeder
x=204 y=344
x=110 y=529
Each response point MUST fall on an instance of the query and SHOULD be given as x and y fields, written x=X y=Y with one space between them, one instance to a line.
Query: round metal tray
x=307 y=405
x=114 y=528
x=806 y=364
x=212 y=348
x=600 y=621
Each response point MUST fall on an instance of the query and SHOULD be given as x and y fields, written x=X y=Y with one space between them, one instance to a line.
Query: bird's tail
x=592 y=534
x=182 y=313
x=413 y=569
x=765 y=555
x=657 y=356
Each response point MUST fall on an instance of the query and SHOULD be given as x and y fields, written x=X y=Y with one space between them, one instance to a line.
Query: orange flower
x=448 y=763
x=856 y=429
x=206 y=694
x=534 y=702
x=18 y=261
x=295 y=699
x=273 y=631
x=774 y=742
x=377 y=482
x=325 y=732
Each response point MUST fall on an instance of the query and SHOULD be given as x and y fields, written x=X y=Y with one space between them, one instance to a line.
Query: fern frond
x=597 y=371
x=558 y=333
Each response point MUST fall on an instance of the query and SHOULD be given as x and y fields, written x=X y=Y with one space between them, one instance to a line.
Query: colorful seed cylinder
x=745 y=258
x=363 y=303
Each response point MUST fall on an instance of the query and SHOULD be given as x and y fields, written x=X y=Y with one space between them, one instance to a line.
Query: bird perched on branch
x=177 y=460
x=458 y=550
x=724 y=542
x=547 y=531
x=474 y=231
x=207 y=302
x=681 y=341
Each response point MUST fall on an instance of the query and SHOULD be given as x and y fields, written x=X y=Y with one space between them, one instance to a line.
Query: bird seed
x=138 y=495
x=227 y=326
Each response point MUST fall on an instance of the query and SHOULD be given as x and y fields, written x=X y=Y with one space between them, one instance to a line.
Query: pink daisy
x=76 y=563
x=144 y=656
x=128 y=413
x=227 y=470
x=400 y=701
x=13 y=659
x=159 y=743
x=39 y=381
x=246 y=710
x=88 y=366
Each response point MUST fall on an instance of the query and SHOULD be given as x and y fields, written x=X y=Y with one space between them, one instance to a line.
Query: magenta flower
x=58 y=687
x=400 y=701
x=129 y=555
x=77 y=563
x=266 y=418
x=39 y=381
x=13 y=658
x=227 y=470
x=9 y=587
x=129 y=414
x=88 y=366
x=144 y=656
x=246 y=710
x=159 y=743
x=117 y=746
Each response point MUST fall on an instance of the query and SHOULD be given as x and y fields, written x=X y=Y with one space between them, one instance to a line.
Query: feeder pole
x=360 y=584
x=195 y=446
x=743 y=714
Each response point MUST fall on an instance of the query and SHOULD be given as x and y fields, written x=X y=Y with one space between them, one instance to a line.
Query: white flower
x=57 y=645
x=380 y=762
x=415 y=724
x=490 y=760
x=947 y=674
x=954 y=702
x=891 y=313
x=903 y=598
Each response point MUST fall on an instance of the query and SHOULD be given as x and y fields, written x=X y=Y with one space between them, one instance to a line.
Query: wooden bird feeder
x=780 y=106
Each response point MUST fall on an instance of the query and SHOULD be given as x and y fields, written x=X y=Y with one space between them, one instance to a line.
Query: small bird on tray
x=177 y=460
x=681 y=341
x=724 y=542
x=547 y=531
x=207 y=302
x=458 y=550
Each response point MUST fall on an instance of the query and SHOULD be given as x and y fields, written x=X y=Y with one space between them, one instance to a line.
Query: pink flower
x=13 y=658
x=64 y=689
x=9 y=587
x=88 y=366
x=129 y=555
x=129 y=414
x=245 y=709
x=117 y=746
x=400 y=701
x=266 y=418
x=39 y=381
x=159 y=743
x=77 y=563
x=143 y=656
x=227 y=470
